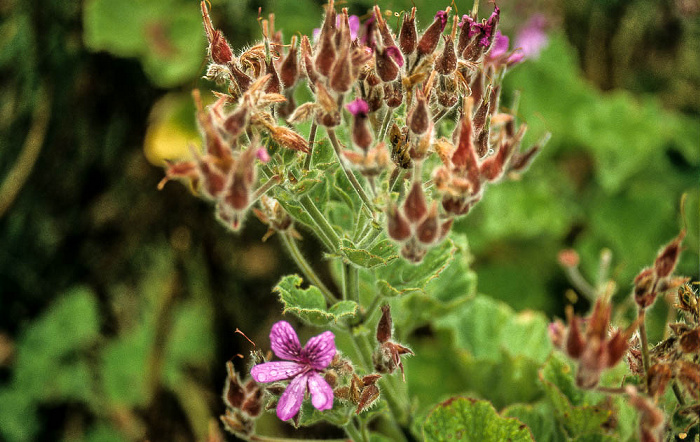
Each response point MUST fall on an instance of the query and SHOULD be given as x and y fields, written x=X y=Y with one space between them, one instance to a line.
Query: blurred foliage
x=118 y=304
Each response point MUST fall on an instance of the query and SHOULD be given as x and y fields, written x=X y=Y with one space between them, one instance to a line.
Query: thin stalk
x=312 y=139
x=262 y=190
x=353 y=281
x=353 y=432
x=439 y=115
x=291 y=245
x=678 y=393
x=20 y=171
x=580 y=283
x=332 y=239
x=348 y=173
x=385 y=125
x=645 y=343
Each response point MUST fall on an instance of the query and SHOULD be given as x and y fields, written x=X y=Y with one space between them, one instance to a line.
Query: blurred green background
x=119 y=303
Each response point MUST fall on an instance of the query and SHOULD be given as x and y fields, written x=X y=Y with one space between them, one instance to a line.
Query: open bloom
x=302 y=366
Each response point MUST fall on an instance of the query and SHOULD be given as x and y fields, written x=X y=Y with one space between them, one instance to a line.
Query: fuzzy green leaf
x=380 y=253
x=469 y=419
x=309 y=305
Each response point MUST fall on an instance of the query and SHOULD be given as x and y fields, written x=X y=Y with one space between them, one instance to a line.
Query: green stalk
x=348 y=173
x=645 y=345
x=312 y=138
x=353 y=432
x=332 y=239
x=293 y=250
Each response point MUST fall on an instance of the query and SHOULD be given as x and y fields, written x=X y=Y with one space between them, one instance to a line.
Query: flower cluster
x=392 y=91
x=596 y=348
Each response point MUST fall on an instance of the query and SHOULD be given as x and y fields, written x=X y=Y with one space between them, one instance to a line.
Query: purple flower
x=500 y=46
x=358 y=107
x=302 y=366
x=532 y=38
x=395 y=53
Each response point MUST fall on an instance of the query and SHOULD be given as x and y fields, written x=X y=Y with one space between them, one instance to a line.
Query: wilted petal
x=321 y=392
x=276 y=371
x=285 y=342
x=290 y=401
x=319 y=351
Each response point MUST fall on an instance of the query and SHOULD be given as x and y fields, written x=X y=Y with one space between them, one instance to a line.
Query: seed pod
x=384 y=326
x=419 y=117
x=431 y=36
x=408 y=35
x=427 y=231
x=307 y=58
x=446 y=63
x=341 y=77
x=387 y=38
x=397 y=227
x=666 y=260
x=384 y=63
x=273 y=86
x=393 y=94
x=289 y=71
x=415 y=206
x=326 y=54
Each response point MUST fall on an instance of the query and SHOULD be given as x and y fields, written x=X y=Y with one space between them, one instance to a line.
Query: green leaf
x=577 y=420
x=493 y=326
x=307 y=181
x=379 y=254
x=538 y=418
x=400 y=277
x=309 y=305
x=469 y=419
x=339 y=415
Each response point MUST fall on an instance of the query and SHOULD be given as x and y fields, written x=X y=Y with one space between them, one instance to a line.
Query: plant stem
x=353 y=432
x=385 y=125
x=312 y=139
x=580 y=283
x=20 y=171
x=291 y=246
x=352 y=279
x=678 y=393
x=262 y=190
x=641 y=318
x=332 y=239
x=348 y=173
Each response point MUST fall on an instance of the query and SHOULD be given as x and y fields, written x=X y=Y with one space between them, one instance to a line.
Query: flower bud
x=361 y=135
x=431 y=36
x=368 y=397
x=446 y=63
x=667 y=258
x=385 y=64
x=326 y=54
x=397 y=227
x=242 y=80
x=408 y=35
x=384 y=326
x=273 y=85
x=341 y=77
x=415 y=206
x=387 y=38
x=307 y=57
x=289 y=71
x=219 y=49
x=419 y=118
x=428 y=230
x=236 y=122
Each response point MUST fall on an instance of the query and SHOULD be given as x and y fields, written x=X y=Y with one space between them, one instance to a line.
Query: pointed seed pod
x=408 y=35
x=289 y=71
x=431 y=36
x=428 y=230
x=446 y=63
x=397 y=227
x=419 y=118
x=415 y=206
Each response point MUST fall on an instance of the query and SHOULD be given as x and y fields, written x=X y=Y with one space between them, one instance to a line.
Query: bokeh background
x=119 y=303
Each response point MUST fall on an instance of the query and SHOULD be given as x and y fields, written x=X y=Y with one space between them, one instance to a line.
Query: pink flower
x=532 y=38
x=302 y=366
x=358 y=107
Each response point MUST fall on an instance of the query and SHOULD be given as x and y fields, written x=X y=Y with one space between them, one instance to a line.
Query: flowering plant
x=398 y=137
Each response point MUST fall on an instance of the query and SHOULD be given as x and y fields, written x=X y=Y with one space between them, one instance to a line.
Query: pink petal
x=285 y=342
x=354 y=22
x=290 y=401
x=499 y=47
x=321 y=392
x=319 y=351
x=276 y=371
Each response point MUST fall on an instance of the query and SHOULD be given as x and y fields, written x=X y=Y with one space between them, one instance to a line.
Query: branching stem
x=308 y=271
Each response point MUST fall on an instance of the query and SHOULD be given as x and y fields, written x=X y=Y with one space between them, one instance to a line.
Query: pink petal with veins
x=276 y=371
x=285 y=342
x=319 y=351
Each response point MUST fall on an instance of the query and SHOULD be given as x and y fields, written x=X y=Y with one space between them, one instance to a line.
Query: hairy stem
x=353 y=432
x=308 y=271
x=348 y=173
x=332 y=239
x=641 y=319
x=312 y=139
